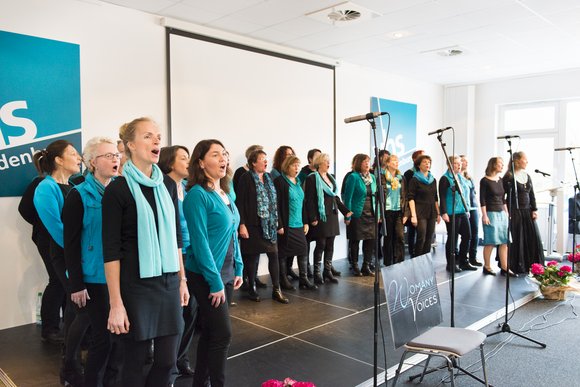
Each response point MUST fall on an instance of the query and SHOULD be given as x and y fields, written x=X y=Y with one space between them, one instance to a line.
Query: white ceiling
x=499 y=38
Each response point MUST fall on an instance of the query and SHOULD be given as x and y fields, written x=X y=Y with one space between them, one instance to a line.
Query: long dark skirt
x=526 y=247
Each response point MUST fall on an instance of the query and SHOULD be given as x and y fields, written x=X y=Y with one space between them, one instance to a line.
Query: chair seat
x=457 y=341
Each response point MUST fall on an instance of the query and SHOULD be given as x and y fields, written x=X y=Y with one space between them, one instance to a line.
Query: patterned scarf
x=267 y=206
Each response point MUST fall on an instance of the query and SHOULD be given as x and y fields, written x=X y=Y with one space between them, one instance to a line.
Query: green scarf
x=157 y=251
x=96 y=185
x=321 y=189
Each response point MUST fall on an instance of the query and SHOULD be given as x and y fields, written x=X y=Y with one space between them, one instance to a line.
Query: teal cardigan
x=211 y=225
x=355 y=192
x=49 y=200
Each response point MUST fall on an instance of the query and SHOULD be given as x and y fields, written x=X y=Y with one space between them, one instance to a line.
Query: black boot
x=309 y=269
x=277 y=296
x=335 y=272
x=474 y=262
x=366 y=270
x=291 y=273
x=327 y=273
x=304 y=283
x=253 y=293
x=355 y=270
x=317 y=276
x=259 y=284
x=284 y=283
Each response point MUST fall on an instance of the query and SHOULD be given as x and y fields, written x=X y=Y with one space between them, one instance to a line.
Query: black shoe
x=367 y=271
x=185 y=369
x=260 y=284
x=307 y=285
x=474 y=262
x=488 y=271
x=292 y=274
x=318 y=280
x=53 y=338
x=356 y=271
x=467 y=266
x=253 y=295
x=457 y=269
x=335 y=272
x=503 y=272
x=277 y=296
x=285 y=284
x=328 y=277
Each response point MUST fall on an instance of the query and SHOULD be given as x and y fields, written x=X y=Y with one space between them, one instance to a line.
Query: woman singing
x=473 y=213
x=394 y=205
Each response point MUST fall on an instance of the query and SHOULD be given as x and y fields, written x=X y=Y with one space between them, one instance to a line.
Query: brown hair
x=167 y=157
x=311 y=153
x=420 y=160
x=197 y=175
x=254 y=158
x=127 y=132
x=358 y=160
x=491 y=165
x=416 y=154
x=252 y=148
x=280 y=156
x=44 y=160
x=288 y=162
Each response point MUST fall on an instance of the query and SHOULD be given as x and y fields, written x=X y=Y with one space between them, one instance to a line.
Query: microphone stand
x=574 y=218
x=512 y=192
x=379 y=207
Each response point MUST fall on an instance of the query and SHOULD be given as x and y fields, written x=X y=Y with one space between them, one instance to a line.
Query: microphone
x=567 y=148
x=542 y=173
x=439 y=130
x=507 y=137
x=368 y=116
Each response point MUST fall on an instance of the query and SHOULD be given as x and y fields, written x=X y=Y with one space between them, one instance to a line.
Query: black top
x=526 y=196
x=332 y=204
x=73 y=213
x=28 y=212
x=491 y=194
x=120 y=224
x=236 y=179
x=247 y=200
x=408 y=175
x=283 y=192
x=425 y=197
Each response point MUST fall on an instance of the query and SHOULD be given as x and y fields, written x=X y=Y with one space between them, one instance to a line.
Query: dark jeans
x=411 y=238
x=461 y=228
x=216 y=333
x=98 y=312
x=474 y=242
x=136 y=354
x=251 y=262
x=53 y=297
x=394 y=240
x=425 y=229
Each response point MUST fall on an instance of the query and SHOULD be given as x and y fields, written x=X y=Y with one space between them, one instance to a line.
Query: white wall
x=122 y=77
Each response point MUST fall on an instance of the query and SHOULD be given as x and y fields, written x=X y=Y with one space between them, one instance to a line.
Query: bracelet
x=184 y=279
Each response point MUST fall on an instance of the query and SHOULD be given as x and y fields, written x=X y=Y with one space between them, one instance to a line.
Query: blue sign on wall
x=402 y=139
x=40 y=102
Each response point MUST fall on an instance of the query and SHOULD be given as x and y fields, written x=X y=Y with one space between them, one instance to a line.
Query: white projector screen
x=243 y=97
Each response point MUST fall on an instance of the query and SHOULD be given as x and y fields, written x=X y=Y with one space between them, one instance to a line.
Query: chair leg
x=425 y=369
x=398 y=370
x=483 y=364
x=451 y=368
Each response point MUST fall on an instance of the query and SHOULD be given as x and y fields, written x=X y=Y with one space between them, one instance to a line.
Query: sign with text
x=402 y=139
x=40 y=102
x=412 y=298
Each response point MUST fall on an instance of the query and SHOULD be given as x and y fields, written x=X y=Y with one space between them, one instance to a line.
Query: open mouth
x=155 y=152
x=116 y=168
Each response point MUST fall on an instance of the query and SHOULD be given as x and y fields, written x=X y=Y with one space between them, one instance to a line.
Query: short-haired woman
x=83 y=249
x=423 y=204
x=258 y=206
x=359 y=195
x=214 y=265
x=143 y=260
x=322 y=206
x=293 y=222
x=494 y=215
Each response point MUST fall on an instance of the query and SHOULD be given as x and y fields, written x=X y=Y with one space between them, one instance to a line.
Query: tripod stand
x=512 y=194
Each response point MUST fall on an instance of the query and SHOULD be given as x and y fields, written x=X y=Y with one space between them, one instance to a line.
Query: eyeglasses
x=110 y=156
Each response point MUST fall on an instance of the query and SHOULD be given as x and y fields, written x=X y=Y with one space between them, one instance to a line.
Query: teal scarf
x=425 y=180
x=157 y=251
x=267 y=206
x=321 y=189
x=96 y=185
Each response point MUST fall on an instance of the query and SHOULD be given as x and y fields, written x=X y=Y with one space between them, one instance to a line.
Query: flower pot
x=553 y=292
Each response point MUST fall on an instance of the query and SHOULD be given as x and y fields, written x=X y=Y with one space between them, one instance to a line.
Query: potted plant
x=575 y=258
x=553 y=280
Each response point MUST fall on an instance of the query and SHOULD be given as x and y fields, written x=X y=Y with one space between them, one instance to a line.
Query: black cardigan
x=283 y=192
x=247 y=202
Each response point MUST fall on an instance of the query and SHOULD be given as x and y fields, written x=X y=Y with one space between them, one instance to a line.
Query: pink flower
x=289 y=382
x=272 y=383
x=566 y=269
x=537 y=269
x=552 y=263
x=303 y=384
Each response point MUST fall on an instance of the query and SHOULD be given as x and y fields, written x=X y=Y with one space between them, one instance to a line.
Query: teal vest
x=459 y=208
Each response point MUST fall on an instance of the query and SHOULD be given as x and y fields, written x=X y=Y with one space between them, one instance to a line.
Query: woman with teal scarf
x=394 y=207
x=83 y=250
x=214 y=265
x=258 y=206
x=322 y=207
x=143 y=261
x=359 y=195
x=423 y=204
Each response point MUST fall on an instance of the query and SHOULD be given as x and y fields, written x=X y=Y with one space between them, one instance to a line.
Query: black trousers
x=98 y=312
x=474 y=241
x=216 y=333
x=425 y=230
x=135 y=363
x=461 y=228
x=53 y=298
x=394 y=240
x=368 y=250
x=411 y=238
x=189 y=320
x=251 y=261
